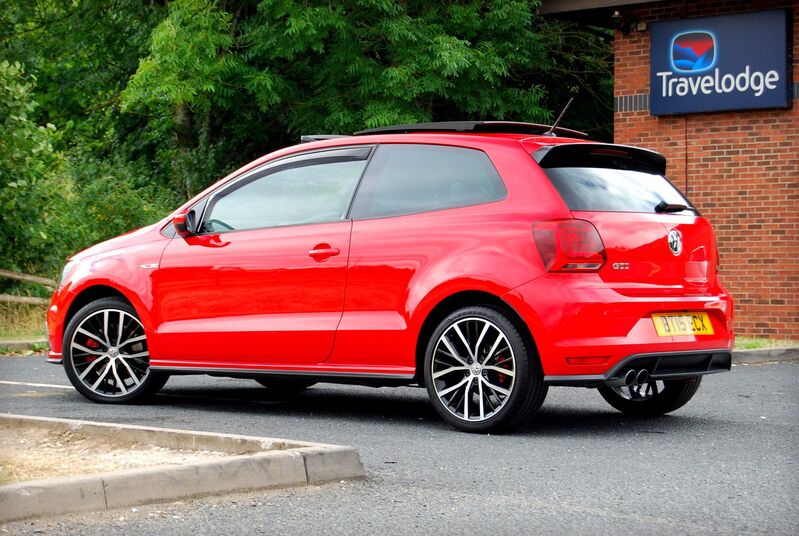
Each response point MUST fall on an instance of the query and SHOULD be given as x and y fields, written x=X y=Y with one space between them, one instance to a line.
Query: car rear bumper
x=586 y=331
x=659 y=366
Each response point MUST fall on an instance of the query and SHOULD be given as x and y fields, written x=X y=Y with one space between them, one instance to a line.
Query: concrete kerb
x=765 y=355
x=254 y=463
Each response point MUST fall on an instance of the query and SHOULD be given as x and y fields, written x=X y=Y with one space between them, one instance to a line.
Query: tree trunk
x=184 y=133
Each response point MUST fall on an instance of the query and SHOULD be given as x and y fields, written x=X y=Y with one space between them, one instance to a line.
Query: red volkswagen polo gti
x=482 y=260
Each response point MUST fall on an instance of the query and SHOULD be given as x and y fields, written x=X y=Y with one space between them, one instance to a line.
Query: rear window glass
x=613 y=190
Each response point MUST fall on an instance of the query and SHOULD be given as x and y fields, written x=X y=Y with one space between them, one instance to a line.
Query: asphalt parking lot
x=728 y=462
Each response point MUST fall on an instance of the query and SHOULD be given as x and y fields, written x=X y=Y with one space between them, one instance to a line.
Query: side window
x=297 y=192
x=408 y=178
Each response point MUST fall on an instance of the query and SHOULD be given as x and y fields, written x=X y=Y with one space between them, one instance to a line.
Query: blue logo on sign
x=693 y=52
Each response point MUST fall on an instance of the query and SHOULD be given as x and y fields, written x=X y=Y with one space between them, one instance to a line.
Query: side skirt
x=353 y=378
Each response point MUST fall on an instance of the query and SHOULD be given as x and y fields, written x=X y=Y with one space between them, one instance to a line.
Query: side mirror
x=184 y=223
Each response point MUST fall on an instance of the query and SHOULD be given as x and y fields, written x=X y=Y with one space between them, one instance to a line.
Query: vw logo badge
x=675 y=241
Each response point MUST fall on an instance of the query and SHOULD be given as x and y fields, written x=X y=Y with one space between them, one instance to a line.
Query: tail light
x=569 y=246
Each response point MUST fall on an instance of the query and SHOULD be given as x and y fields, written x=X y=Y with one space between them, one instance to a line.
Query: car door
x=262 y=282
x=412 y=229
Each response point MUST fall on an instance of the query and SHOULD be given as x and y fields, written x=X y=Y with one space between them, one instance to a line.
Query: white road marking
x=52 y=385
x=175 y=395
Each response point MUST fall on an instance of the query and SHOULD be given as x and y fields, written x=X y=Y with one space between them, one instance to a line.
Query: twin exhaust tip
x=634 y=377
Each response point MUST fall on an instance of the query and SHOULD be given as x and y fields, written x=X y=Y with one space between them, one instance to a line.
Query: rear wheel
x=652 y=398
x=106 y=357
x=481 y=374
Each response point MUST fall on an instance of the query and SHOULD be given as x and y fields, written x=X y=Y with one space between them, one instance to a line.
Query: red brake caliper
x=92 y=344
x=502 y=379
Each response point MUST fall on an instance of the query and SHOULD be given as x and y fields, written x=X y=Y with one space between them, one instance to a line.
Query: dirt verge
x=37 y=453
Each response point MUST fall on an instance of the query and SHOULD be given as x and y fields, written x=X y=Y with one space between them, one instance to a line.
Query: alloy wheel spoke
x=101 y=376
x=120 y=383
x=105 y=328
x=457 y=329
x=640 y=393
x=483 y=332
x=447 y=371
x=91 y=366
x=87 y=350
x=493 y=349
x=138 y=354
x=500 y=370
x=119 y=328
x=130 y=371
x=92 y=336
x=482 y=403
x=488 y=399
x=491 y=392
x=501 y=361
x=496 y=388
x=466 y=397
x=453 y=388
x=131 y=341
x=452 y=350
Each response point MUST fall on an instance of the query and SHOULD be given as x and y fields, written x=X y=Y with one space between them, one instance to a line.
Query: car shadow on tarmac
x=411 y=407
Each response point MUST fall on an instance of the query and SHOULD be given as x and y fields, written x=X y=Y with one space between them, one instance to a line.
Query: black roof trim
x=499 y=127
x=308 y=138
x=570 y=154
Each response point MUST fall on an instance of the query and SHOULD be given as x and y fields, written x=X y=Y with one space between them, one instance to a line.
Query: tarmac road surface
x=728 y=462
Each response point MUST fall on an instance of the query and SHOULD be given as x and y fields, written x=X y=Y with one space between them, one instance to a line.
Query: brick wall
x=741 y=169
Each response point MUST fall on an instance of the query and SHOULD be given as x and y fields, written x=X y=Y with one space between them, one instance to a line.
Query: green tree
x=237 y=78
x=31 y=195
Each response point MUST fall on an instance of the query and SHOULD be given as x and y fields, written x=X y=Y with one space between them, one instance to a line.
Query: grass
x=22 y=322
x=752 y=343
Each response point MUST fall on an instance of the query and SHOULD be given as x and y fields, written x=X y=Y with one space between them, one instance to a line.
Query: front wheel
x=652 y=398
x=106 y=357
x=480 y=372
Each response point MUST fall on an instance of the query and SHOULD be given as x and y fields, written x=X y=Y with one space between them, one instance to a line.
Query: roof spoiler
x=591 y=154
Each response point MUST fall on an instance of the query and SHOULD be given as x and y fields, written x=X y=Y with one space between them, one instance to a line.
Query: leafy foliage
x=155 y=100
x=28 y=173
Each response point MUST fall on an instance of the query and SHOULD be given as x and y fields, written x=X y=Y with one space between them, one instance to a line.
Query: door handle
x=322 y=252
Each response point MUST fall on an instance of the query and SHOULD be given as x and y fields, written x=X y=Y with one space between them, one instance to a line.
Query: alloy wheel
x=473 y=369
x=109 y=353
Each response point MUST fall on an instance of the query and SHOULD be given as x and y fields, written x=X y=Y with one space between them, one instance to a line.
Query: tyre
x=480 y=372
x=652 y=398
x=285 y=385
x=106 y=355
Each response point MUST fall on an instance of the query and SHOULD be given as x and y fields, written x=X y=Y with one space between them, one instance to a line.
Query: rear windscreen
x=604 y=189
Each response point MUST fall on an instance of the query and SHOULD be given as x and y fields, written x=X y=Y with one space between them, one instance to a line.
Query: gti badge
x=675 y=241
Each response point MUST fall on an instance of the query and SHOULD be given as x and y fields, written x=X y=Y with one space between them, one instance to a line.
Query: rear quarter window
x=413 y=178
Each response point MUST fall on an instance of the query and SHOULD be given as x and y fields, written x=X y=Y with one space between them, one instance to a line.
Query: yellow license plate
x=682 y=324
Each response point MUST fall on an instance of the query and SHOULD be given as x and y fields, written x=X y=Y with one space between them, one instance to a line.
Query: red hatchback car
x=483 y=260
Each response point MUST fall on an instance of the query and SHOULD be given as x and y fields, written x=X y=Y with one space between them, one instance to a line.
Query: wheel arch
x=93 y=293
x=459 y=300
